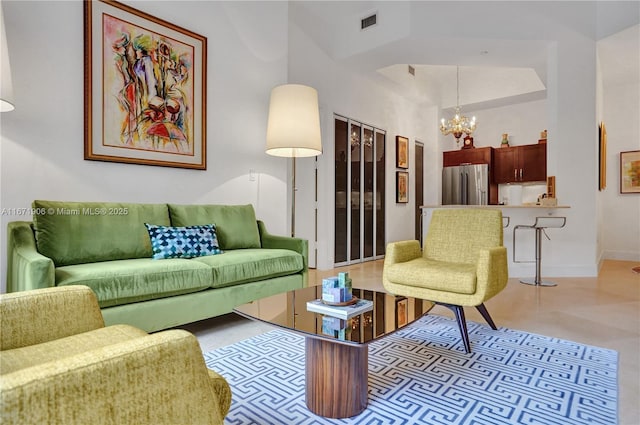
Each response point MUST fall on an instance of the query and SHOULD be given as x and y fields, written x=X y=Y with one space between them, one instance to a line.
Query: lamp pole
x=293 y=196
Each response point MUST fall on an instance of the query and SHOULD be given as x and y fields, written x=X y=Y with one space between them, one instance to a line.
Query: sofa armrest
x=156 y=379
x=283 y=242
x=492 y=270
x=70 y=310
x=298 y=245
x=26 y=267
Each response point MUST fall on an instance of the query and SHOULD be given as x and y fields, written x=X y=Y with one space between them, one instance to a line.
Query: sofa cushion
x=183 y=242
x=87 y=232
x=437 y=275
x=250 y=265
x=127 y=281
x=32 y=355
x=236 y=225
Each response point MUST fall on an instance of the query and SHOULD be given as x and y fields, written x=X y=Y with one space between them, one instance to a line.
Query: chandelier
x=459 y=124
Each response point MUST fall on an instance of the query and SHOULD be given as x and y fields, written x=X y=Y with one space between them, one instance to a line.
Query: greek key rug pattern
x=421 y=375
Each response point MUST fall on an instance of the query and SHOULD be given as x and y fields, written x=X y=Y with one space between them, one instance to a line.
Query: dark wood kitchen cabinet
x=467 y=156
x=526 y=163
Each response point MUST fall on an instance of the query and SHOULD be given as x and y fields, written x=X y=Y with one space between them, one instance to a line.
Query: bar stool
x=540 y=224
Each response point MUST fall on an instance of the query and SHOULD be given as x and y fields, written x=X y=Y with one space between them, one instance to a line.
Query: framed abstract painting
x=402 y=187
x=402 y=152
x=630 y=172
x=145 y=89
x=602 y=157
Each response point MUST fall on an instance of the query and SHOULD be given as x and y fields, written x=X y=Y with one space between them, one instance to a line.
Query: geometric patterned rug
x=421 y=375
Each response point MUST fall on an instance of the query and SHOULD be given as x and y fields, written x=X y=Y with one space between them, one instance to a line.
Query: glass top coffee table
x=336 y=352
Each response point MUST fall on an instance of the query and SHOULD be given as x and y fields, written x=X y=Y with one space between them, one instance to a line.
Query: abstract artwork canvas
x=402 y=152
x=402 y=187
x=144 y=89
x=630 y=172
x=602 y=157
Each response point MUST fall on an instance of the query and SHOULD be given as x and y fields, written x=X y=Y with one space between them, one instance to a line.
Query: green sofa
x=107 y=247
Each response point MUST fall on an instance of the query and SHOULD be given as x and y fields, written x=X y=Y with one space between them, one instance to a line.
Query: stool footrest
x=532 y=281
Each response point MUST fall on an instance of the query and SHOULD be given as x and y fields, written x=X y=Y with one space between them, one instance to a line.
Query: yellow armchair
x=59 y=364
x=463 y=263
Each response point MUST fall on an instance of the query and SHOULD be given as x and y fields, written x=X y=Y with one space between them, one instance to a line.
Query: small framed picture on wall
x=402 y=152
x=602 y=157
x=402 y=187
x=630 y=172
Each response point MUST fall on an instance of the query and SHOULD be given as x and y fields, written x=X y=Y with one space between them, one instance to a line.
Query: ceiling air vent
x=412 y=70
x=368 y=21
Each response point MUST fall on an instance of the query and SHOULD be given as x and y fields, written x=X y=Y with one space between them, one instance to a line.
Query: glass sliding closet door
x=379 y=197
x=359 y=192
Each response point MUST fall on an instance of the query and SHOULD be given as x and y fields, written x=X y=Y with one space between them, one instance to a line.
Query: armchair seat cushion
x=459 y=278
x=51 y=351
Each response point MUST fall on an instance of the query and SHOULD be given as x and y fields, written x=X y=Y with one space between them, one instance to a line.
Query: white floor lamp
x=6 y=89
x=293 y=129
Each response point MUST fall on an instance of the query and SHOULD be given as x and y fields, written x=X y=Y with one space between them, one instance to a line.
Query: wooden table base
x=336 y=378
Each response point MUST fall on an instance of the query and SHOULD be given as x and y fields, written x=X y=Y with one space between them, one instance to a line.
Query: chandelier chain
x=458 y=86
x=459 y=124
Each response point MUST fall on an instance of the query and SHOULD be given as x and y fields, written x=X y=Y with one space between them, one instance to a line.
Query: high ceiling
x=501 y=48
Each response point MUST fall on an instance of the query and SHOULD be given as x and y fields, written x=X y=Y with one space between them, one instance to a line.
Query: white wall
x=599 y=196
x=42 y=140
x=348 y=94
x=621 y=212
x=523 y=122
x=569 y=115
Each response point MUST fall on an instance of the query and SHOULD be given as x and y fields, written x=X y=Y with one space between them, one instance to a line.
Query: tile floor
x=603 y=311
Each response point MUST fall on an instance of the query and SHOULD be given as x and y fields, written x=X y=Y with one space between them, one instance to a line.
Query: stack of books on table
x=343 y=311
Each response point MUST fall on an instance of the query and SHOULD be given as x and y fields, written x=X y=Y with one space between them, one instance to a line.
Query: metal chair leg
x=483 y=310
x=462 y=324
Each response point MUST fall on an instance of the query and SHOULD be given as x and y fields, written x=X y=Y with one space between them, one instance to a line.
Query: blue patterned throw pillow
x=183 y=242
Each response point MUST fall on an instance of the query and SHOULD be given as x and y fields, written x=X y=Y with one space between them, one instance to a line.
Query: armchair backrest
x=41 y=315
x=456 y=235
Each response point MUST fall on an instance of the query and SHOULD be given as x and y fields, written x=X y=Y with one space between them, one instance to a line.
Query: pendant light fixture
x=459 y=124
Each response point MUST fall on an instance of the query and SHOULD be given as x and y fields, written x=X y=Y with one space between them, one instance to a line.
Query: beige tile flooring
x=603 y=311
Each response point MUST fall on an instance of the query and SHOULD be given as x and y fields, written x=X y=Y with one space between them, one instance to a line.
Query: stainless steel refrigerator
x=465 y=185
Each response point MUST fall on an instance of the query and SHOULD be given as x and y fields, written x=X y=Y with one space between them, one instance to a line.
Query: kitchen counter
x=534 y=206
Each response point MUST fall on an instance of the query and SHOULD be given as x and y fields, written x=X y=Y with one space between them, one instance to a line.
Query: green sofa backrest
x=236 y=225
x=87 y=232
